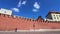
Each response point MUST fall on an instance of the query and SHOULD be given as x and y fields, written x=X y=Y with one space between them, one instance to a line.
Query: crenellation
x=13 y=16
x=3 y=15
x=6 y=15
x=21 y=23
x=18 y=17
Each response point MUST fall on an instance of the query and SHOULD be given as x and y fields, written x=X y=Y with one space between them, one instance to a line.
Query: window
x=57 y=17
x=54 y=17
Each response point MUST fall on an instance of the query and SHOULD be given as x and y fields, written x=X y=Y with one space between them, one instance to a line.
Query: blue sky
x=31 y=8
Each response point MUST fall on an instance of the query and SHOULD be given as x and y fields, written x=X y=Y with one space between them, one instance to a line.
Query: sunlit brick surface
x=12 y=23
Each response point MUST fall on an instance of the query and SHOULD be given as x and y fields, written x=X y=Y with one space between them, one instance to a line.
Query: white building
x=5 y=11
x=53 y=16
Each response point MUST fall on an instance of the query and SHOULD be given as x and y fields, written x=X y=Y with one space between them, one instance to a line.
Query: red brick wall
x=11 y=23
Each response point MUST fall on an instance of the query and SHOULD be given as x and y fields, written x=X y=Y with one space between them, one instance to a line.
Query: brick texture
x=11 y=23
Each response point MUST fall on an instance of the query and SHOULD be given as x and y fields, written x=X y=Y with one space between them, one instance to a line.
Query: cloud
x=24 y=2
x=35 y=10
x=36 y=5
x=21 y=3
x=15 y=9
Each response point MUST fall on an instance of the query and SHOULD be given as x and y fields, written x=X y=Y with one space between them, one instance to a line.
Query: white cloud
x=24 y=2
x=35 y=10
x=36 y=5
x=19 y=4
x=15 y=9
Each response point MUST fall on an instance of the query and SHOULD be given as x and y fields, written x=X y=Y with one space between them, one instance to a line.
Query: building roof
x=52 y=12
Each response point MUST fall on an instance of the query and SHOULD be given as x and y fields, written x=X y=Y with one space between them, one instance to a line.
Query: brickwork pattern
x=11 y=23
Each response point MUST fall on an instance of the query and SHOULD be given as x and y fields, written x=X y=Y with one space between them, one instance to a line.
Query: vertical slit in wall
x=34 y=26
